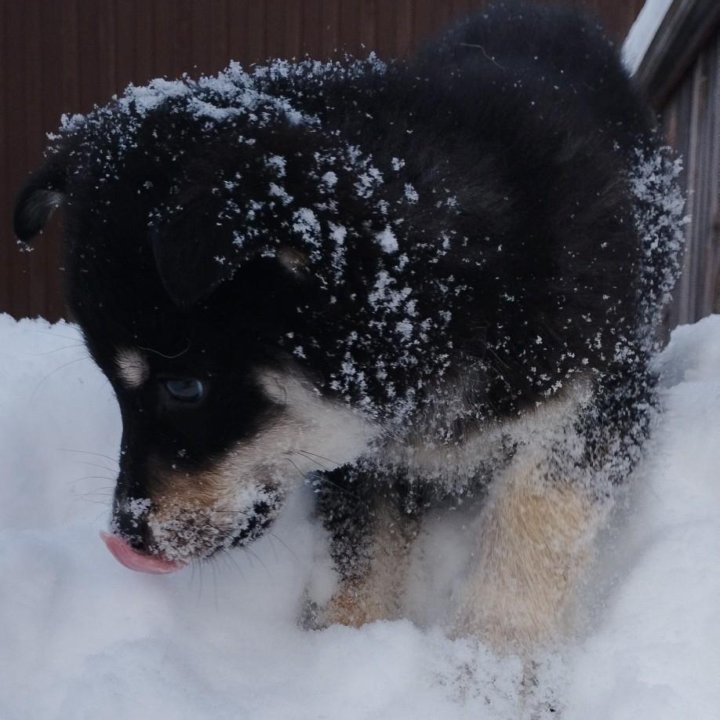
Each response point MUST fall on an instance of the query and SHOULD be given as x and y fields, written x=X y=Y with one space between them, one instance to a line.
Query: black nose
x=130 y=521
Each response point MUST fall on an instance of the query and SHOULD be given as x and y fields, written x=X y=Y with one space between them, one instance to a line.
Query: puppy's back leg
x=534 y=541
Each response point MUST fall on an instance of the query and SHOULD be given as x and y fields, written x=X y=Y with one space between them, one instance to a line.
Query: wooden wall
x=681 y=73
x=64 y=56
x=692 y=124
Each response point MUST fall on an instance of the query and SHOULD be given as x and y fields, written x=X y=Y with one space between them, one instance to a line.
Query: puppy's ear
x=42 y=195
x=194 y=252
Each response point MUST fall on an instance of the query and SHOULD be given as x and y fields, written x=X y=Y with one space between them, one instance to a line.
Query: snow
x=83 y=637
x=388 y=241
x=642 y=32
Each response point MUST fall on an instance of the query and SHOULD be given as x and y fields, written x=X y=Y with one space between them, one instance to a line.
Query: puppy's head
x=187 y=256
x=219 y=419
x=211 y=446
x=243 y=276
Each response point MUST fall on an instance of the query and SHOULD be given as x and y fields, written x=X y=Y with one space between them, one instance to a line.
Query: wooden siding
x=692 y=124
x=64 y=56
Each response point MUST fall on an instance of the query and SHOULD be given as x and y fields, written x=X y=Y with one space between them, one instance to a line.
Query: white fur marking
x=454 y=464
x=309 y=433
x=312 y=433
x=132 y=368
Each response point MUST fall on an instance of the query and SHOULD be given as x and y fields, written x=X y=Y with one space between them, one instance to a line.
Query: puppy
x=416 y=284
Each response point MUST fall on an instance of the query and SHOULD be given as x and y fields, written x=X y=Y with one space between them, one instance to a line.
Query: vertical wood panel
x=7 y=251
x=255 y=31
x=311 y=27
x=714 y=210
x=274 y=28
x=329 y=21
x=143 y=65
x=404 y=36
x=692 y=119
x=350 y=27
x=429 y=19
x=51 y=18
x=237 y=21
x=21 y=148
x=64 y=56
x=293 y=27
x=218 y=36
x=368 y=25
x=385 y=33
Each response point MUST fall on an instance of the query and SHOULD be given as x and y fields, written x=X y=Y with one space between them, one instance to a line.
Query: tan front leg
x=378 y=593
x=534 y=543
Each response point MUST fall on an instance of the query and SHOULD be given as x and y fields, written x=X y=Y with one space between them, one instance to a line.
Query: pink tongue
x=136 y=560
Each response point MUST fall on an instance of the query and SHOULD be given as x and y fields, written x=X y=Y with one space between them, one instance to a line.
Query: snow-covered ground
x=82 y=637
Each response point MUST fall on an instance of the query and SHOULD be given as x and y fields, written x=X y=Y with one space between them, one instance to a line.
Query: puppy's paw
x=312 y=616
x=354 y=607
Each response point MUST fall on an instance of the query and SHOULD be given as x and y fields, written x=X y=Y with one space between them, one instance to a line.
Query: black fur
x=472 y=221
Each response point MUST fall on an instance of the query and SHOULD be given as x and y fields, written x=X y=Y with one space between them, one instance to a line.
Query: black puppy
x=415 y=283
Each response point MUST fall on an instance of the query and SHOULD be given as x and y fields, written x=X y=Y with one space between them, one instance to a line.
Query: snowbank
x=82 y=637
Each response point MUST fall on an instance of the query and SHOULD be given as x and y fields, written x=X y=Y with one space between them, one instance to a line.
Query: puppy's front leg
x=534 y=541
x=372 y=526
x=373 y=589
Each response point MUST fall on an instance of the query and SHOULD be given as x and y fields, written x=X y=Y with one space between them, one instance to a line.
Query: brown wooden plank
x=708 y=201
x=715 y=177
x=183 y=38
x=274 y=28
x=350 y=26
x=162 y=38
x=52 y=106
x=219 y=36
x=255 y=38
x=329 y=25
x=128 y=49
x=18 y=150
x=7 y=248
x=385 y=23
x=237 y=28
x=404 y=28
x=367 y=13
x=312 y=28
x=685 y=114
x=70 y=59
x=197 y=20
x=206 y=22
x=293 y=30
x=144 y=65
x=430 y=18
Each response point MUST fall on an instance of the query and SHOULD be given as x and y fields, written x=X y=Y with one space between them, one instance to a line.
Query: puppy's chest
x=458 y=468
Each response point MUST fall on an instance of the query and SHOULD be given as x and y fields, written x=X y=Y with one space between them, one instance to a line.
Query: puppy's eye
x=187 y=390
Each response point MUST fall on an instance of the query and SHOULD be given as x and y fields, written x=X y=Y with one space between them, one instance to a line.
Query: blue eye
x=187 y=390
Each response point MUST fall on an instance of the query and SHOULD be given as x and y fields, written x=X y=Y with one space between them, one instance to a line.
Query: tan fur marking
x=378 y=595
x=198 y=489
x=356 y=604
x=533 y=546
x=132 y=367
x=191 y=512
x=292 y=259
